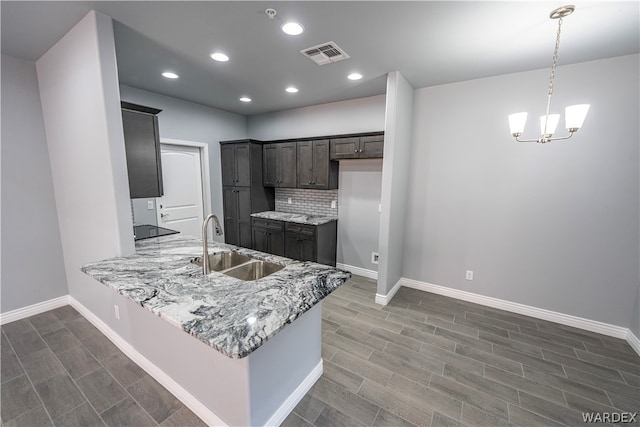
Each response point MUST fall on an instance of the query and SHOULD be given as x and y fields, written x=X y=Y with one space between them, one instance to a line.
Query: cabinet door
x=243 y=203
x=321 y=164
x=228 y=164
x=230 y=202
x=345 y=148
x=307 y=248
x=305 y=164
x=276 y=243
x=259 y=239
x=270 y=165
x=142 y=147
x=371 y=147
x=287 y=164
x=242 y=165
x=291 y=246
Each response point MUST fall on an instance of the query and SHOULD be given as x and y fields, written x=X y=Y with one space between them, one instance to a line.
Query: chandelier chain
x=545 y=136
x=555 y=57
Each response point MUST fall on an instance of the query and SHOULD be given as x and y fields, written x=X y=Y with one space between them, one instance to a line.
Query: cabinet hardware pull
x=162 y=215
x=355 y=151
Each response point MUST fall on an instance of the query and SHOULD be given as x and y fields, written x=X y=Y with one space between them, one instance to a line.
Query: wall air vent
x=325 y=53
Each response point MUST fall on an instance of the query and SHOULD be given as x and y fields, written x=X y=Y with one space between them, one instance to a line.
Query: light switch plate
x=333 y=204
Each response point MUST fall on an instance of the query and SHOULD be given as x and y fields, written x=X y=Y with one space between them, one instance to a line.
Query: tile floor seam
x=81 y=390
x=26 y=374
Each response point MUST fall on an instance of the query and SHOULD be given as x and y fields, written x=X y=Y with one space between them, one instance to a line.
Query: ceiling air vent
x=325 y=53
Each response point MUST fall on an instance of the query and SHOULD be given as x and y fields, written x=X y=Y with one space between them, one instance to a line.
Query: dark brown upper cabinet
x=280 y=164
x=236 y=165
x=315 y=170
x=142 y=147
x=358 y=147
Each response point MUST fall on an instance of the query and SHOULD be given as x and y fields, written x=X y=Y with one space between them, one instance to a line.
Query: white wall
x=359 y=219
x=395 y=180
x=554 y=225
x=354 y=116
x=81 y=110
x=33 y=266
x=184 y=120
x=359 y=181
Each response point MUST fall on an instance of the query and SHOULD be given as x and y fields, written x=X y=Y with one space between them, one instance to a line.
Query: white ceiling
x=429 y=42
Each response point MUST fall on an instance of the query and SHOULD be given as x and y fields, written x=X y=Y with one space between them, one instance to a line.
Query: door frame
x=204 y=168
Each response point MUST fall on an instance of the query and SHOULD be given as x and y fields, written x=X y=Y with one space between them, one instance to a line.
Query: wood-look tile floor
x=426 y=359
x=423 y=359
x=58 y=369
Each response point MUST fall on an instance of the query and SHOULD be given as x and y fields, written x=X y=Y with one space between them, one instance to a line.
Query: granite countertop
x=294 y=217
x=232 y=316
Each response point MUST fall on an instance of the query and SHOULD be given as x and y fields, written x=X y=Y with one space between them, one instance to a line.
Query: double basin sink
x=239 y=266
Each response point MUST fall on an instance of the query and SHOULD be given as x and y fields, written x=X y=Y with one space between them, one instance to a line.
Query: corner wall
x=395 y=183
x=32 y=260
x=81 y=110
x=553 y=226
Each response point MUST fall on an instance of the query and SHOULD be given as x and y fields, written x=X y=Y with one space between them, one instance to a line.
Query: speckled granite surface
x=294 y=217
x=233 y=316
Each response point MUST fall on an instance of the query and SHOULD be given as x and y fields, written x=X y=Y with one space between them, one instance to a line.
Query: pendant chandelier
x=574 y=114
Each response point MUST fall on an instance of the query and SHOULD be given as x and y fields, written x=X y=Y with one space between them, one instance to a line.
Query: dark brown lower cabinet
x=268 y=236
x=301 y=242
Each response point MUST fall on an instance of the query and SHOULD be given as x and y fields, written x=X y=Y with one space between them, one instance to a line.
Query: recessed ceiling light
x=219 y=56
x=170 y=75
x=292 y=28
x=245 y=99
x=292 y=89
x=354 y=76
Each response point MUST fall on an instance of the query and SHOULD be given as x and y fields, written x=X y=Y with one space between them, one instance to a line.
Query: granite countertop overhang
x=233 y=316
x=295 y=217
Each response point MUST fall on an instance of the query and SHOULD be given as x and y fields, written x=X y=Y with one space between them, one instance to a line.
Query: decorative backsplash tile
x=310 y=202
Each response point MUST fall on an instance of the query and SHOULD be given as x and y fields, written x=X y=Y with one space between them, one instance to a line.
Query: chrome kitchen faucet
x=205 y=250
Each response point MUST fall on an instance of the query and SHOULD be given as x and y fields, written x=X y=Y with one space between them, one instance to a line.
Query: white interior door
x=181 y=207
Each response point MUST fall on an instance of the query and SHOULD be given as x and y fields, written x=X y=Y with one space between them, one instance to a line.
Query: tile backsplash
x=311 y=202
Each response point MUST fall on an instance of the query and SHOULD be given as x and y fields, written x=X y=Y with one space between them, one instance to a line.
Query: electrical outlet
x=374 y=257
x=333 y=204
x=469 y=275
x=116 y=311
x=289 y=200
x=150 y=204
x=380 y=208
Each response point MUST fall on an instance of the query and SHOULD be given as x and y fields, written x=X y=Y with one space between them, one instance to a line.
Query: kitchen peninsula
x=264 y=334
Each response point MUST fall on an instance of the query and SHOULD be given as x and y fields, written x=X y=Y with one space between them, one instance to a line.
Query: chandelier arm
x=547 y=139
x=559 y=138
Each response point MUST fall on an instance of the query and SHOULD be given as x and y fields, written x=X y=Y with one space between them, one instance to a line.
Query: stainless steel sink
x=253 y=270
x=239 y=266
x=223 y=260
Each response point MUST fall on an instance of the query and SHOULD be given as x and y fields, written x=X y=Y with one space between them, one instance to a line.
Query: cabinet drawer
x=269 y=224
x=307 y=230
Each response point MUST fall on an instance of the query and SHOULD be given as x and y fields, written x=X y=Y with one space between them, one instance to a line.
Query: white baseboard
x=385 y=299
x=32 y=310
x=538 y=313
x=158 y=374
x=294 y=398
x=633 y=341
x=371 y=274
